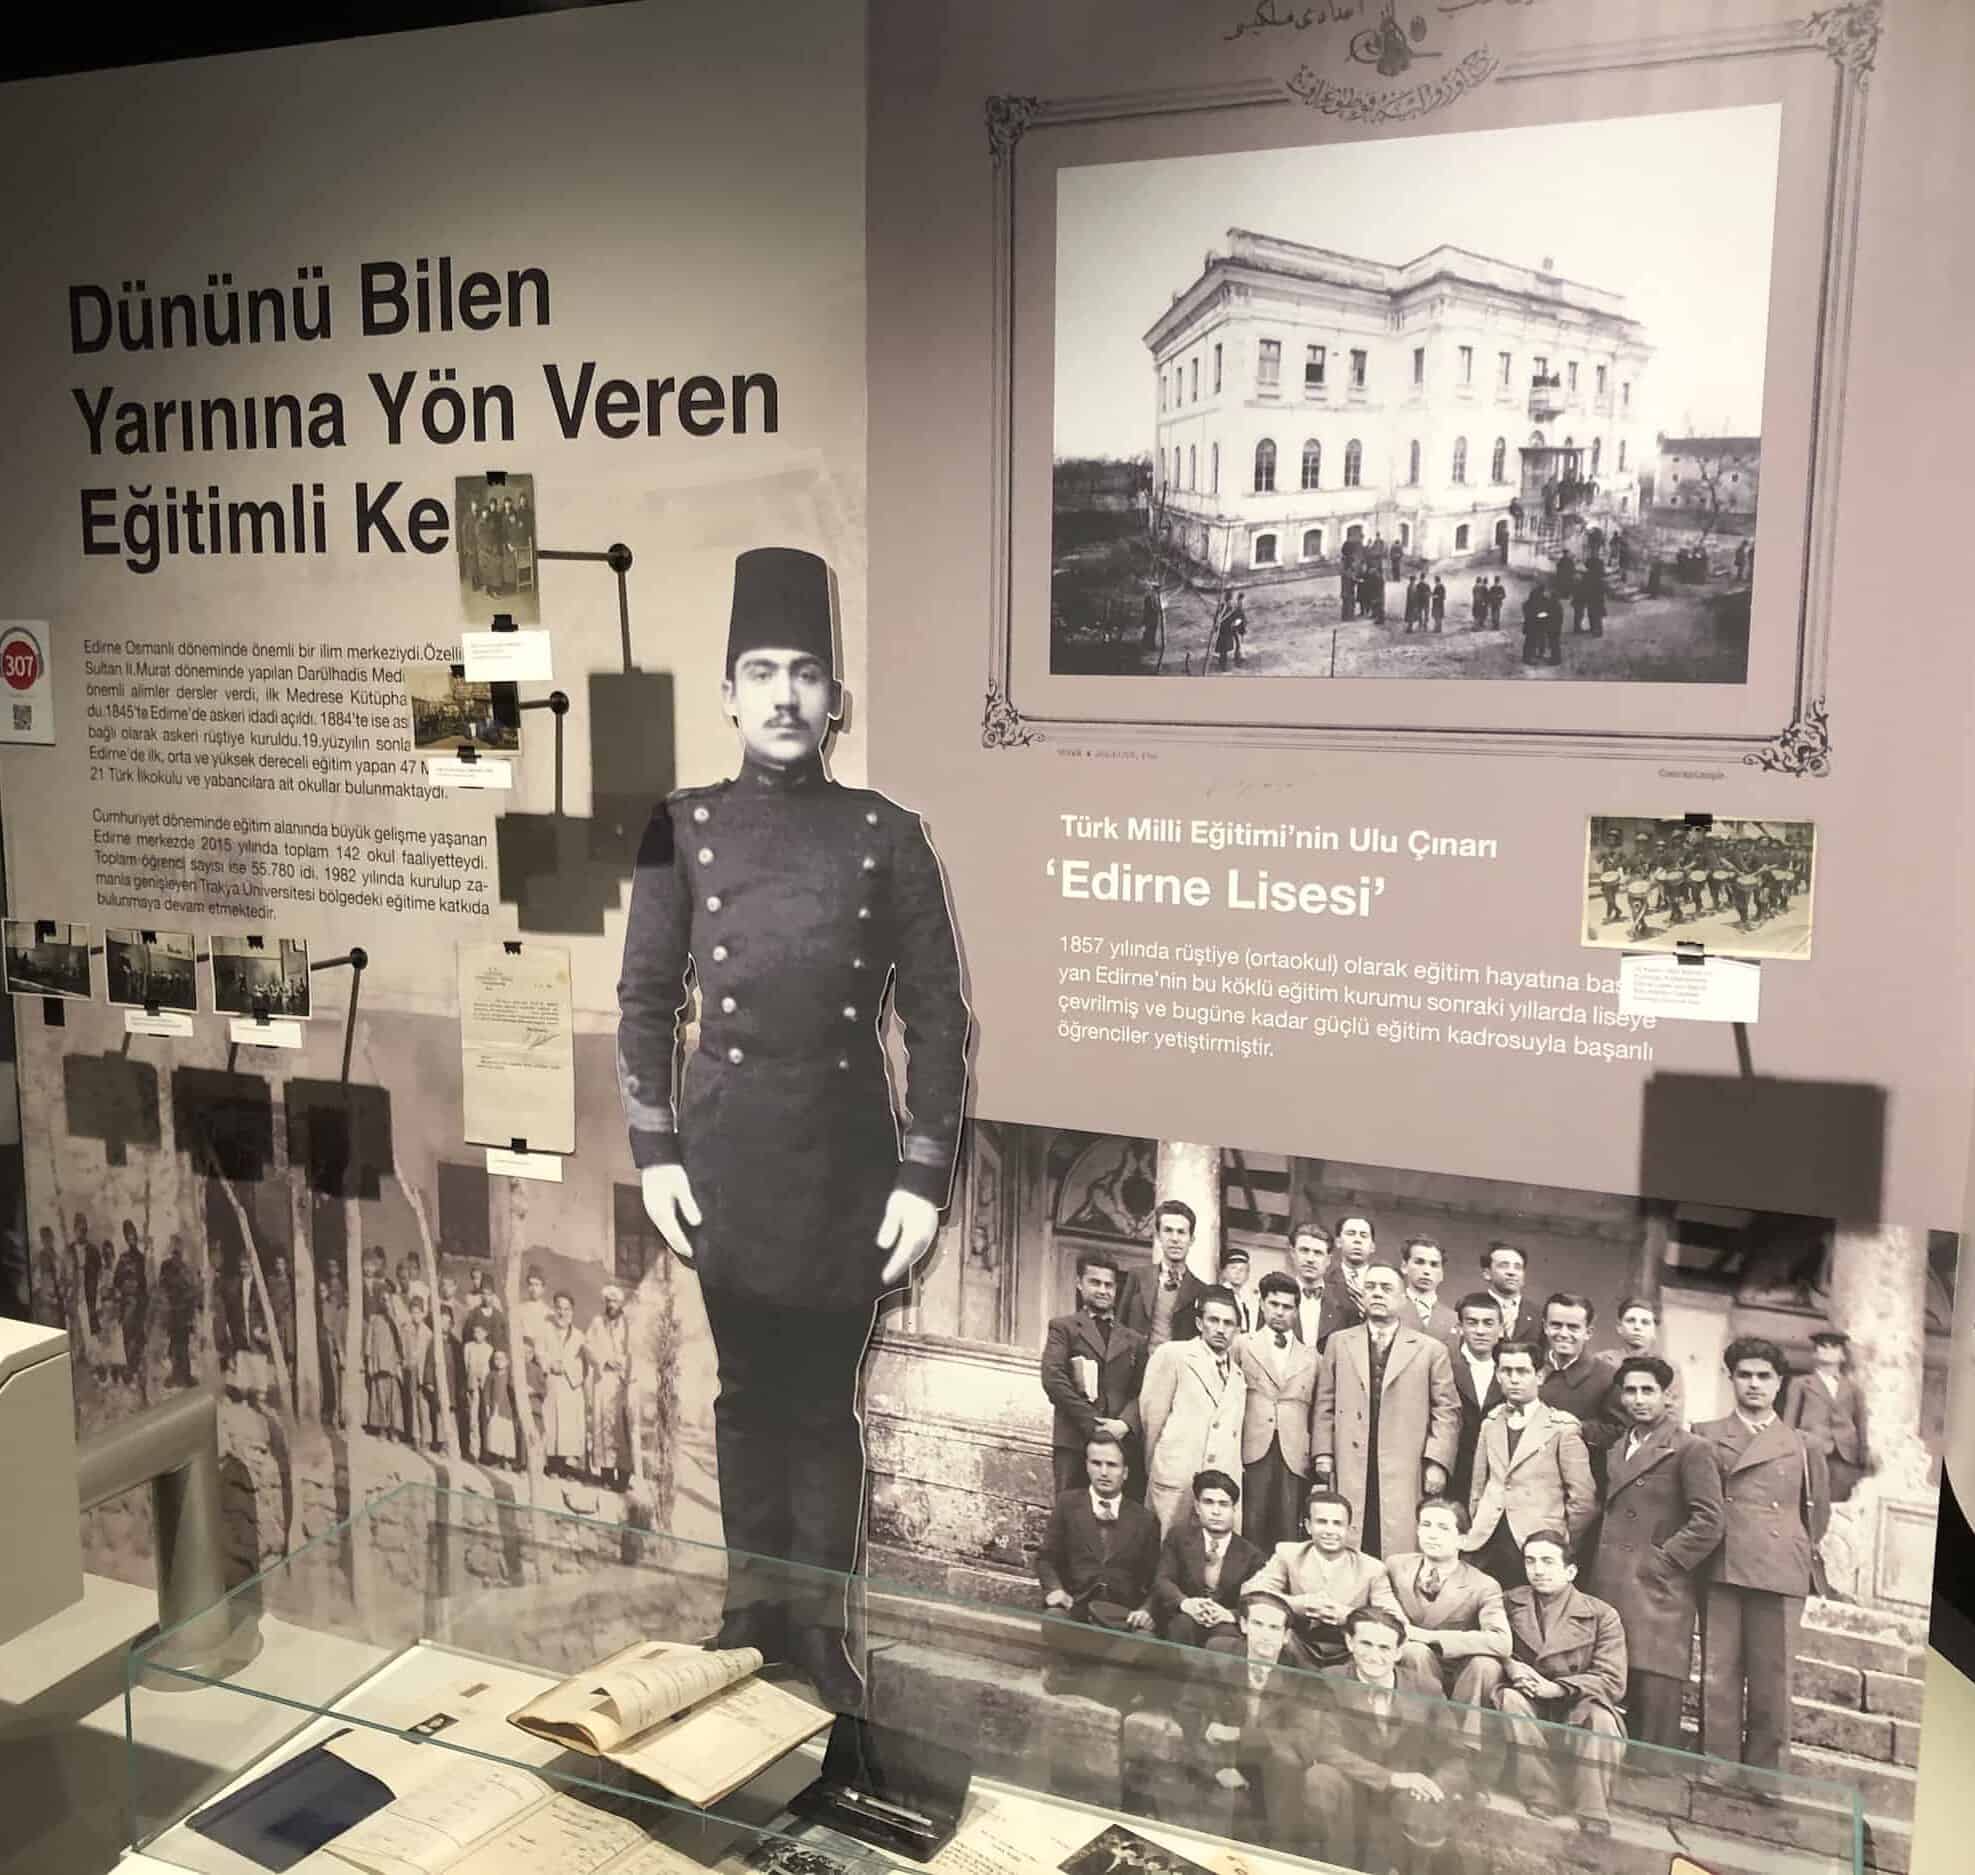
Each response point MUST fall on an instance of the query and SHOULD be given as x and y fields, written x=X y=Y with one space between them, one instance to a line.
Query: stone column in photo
x=1880 y=1550
x=1192 y=1174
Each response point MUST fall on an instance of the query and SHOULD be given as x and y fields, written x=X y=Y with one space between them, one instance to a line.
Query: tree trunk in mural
x=448 y=1426
x=355 y=1393
x=250 y=1250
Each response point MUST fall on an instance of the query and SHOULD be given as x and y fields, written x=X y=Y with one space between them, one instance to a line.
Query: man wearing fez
x=778 y=1167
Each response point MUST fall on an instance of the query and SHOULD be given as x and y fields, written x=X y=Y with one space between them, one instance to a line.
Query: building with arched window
x=1395 y=371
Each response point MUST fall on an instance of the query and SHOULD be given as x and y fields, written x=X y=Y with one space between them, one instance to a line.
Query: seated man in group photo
x=1569 y=1670
x=1261 y=1727
x=1097 y=1562
x=1203 y=1565
x=1458 y=1639
x=1384 y=1787
x=1322 y=1580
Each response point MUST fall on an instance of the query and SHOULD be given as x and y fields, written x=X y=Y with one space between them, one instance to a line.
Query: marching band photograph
x=1736 y=888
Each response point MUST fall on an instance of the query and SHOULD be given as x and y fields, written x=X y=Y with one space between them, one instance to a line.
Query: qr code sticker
x=23 y=717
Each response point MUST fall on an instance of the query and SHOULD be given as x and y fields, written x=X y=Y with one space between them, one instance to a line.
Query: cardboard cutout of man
x=781 y=1171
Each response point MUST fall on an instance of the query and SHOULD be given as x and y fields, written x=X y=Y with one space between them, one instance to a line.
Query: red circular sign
x=20 y=661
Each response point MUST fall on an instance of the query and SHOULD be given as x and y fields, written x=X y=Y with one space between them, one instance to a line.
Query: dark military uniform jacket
x=796 y=903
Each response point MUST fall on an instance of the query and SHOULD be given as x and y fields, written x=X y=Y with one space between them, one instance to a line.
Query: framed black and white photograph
x=1525 y=395
x=47 y=957
x=1121 y=1851
x=494 y=532
x=261 y=976
x=151 y=969
x=448 y=712
x=1733 y=888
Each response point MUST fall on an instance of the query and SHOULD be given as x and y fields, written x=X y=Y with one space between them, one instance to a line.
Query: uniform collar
x=763 y=778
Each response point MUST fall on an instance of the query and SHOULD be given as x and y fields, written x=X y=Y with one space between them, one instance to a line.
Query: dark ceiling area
x=80 y=42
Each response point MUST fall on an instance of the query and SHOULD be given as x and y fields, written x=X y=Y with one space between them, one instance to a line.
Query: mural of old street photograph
x=1475 y=406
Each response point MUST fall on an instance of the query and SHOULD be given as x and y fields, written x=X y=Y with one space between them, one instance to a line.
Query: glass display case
x=386 y=1656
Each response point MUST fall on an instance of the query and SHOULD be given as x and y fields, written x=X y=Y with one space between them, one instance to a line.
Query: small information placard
x=448 y=771
x=279 y=1033
x=1716 y=989
x=504 y=1162
x=512 y=657
x=173 y=1022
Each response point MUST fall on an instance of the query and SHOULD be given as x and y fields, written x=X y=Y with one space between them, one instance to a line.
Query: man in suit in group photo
x=1317 y=1315
x=1160 y=1305
x=1092 y=1368
x=1387 y=1419
x=1480 y=1334
x=1575 y=1380
x=1458 y=1633
x=1568 y=1669
x=1531 y=1471
x=1776 y=1496
x=1279 y=1374
x=1504 y=1270
x=1353 y=1245
x=1662 y=1520
x=1390 y=1772
x=1204 y=1563
x=1322 y=1579
x=1828 y=1407
x=1192 y=1406
x=1099 y=1557
x=1422 y=1266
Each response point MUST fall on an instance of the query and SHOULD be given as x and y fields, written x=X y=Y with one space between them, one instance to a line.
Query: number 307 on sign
x=27 y=688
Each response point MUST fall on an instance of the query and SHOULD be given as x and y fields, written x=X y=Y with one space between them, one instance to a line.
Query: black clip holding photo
x=519 y=1146
x=44 y=930
x=468 y=753
x=1705 y=822
x=1690 y=950
x=53 y=1015
x=495 y=478
x=511 y=946
x=503 y=622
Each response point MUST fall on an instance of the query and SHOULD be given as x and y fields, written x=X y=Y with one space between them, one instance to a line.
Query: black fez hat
x=781 y=600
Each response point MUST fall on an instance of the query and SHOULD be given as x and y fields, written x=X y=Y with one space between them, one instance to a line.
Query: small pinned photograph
x=450 y=713
x=260 y=976
x=1734 y=888
x=1120 y=1851
x=151 y=969
x=494 y=524
x=47 y=957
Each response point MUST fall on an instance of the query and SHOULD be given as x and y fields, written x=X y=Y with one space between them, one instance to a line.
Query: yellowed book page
x=703 y=1754
x=635 y=1689
x=566 y=1836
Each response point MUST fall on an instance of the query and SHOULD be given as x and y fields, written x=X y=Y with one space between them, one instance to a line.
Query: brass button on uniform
x=870 y=816
x=728 y=1005
x=720 y=953
x=706 y=856
x=850 y=1012
x=843 y=1061
x=736 y=1056
x=713 y=902
x=857 y=963
x=701 y=816
x=864 y=911
x=870 y=864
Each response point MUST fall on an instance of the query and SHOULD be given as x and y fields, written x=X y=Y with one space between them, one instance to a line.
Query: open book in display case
x=302 y=1725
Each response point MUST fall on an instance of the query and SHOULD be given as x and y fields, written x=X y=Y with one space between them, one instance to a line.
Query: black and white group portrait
x=494 y=529
x=151 y=969
x=47 y=957
x=449 y=712
x=1736 y=888
x=261 y=976
x=1455 y=406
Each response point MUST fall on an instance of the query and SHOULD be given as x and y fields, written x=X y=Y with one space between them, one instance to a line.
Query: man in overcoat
x=1192 y=1406
x=1092 y=1367
x=1828 y=1407
x=775 y=1161
x=1662 y=1520
x=1279 y=1373
x=1387 y=1419
x=1777 y=1501
x=1568 y=1669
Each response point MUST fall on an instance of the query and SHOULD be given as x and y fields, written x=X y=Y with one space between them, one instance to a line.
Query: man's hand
x=1219 y=1734
x=1204 y=1610
x=1310 y=1607
x=1418 y=1784
x=907 y=1233
x=1059 y=1598
x=668 y=1196
x=1115 y=1427
x=1139 y=1621
x=1229 y=1778
x=1434 y=1479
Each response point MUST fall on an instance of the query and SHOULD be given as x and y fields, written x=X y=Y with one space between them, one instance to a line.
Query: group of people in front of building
x=1446 y=1510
